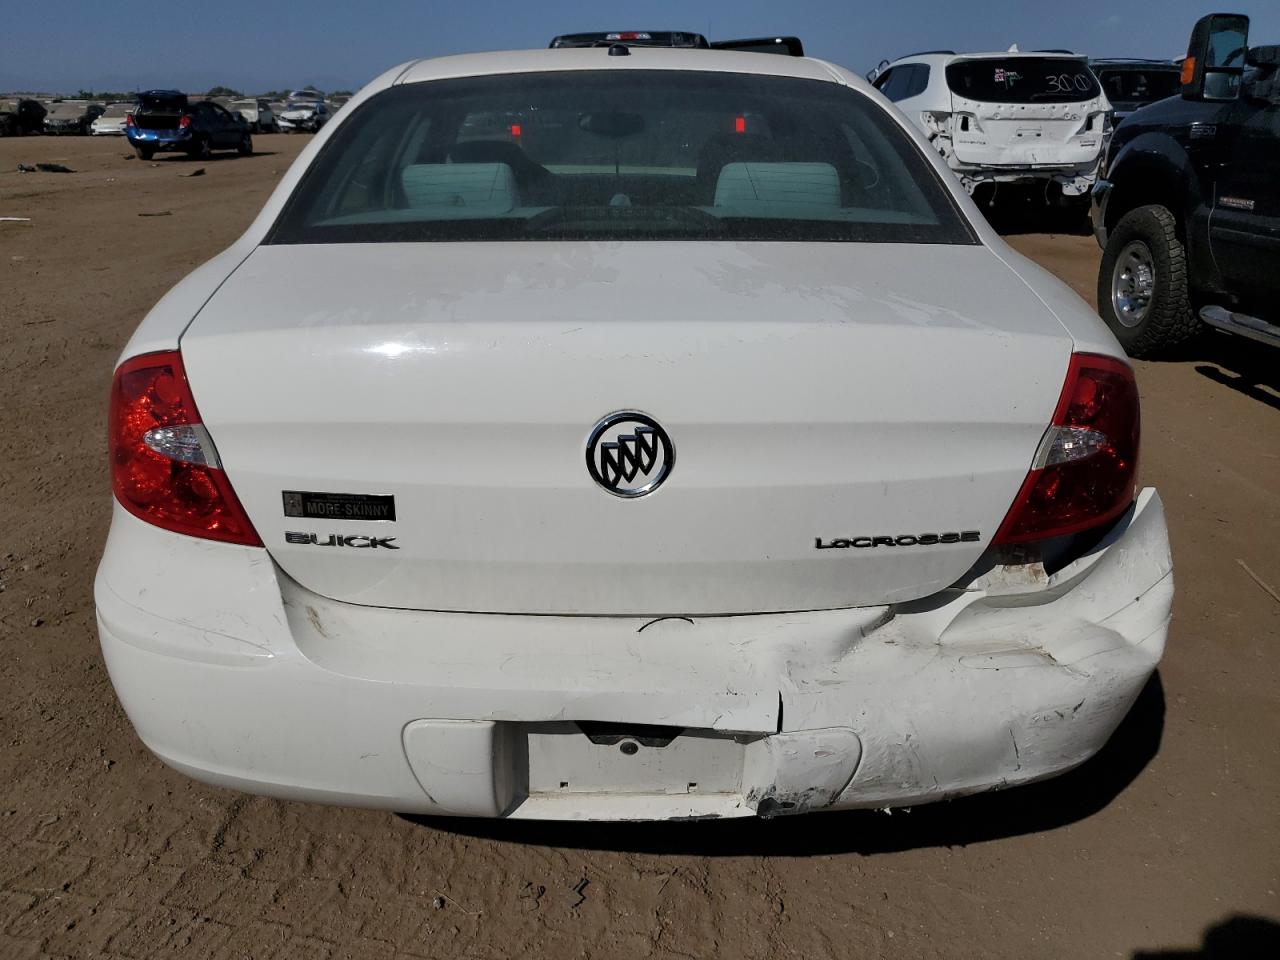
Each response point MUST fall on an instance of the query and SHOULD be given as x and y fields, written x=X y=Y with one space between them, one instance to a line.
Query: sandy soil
x=1147 y=851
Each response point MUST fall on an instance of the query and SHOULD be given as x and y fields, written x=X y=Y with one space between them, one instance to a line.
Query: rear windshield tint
x=1139 y=86
x=1022 y=80
x=620 y=155
x=162 y=104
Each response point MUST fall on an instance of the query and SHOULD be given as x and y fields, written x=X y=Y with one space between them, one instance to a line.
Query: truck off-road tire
x=246 y=146
x=144 y=153
x=1142 y=284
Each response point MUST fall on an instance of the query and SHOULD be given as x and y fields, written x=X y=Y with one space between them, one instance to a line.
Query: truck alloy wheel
x=1142 y=284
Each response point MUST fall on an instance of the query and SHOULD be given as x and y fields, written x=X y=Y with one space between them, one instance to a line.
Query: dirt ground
x=1167 y=845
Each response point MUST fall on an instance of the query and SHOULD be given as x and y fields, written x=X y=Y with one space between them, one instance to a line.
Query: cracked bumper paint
x=286 y=693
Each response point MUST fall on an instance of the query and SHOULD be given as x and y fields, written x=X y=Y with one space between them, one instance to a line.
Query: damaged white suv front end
x=1006 y=117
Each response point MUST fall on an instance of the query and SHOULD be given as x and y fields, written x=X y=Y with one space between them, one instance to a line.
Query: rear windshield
x=162 y=104
x=1022 y=80
x=1139 y=86
x=634 y=155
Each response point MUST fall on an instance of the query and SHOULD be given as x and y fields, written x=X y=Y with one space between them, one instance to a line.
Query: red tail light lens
x=1083 y=472
x=164 y=469
x=128 y=119
x=185 y=121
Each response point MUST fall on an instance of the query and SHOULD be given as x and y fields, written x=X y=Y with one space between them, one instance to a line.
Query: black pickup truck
x=1187 y=208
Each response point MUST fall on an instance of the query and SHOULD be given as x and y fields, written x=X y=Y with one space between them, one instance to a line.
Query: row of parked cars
x=304 y=110
x=170 y=121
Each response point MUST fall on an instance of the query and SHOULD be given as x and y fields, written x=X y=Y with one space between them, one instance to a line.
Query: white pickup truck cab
x=1006 y=117
x=657 y=433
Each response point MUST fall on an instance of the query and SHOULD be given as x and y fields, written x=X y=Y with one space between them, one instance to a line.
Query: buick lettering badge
x=629 y=454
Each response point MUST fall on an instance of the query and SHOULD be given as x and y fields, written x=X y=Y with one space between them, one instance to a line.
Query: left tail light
x=1084 y=469
x=164 y=468
x=185 y=121
x=128 y=119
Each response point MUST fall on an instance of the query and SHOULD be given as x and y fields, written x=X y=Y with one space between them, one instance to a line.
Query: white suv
x=1006 y=117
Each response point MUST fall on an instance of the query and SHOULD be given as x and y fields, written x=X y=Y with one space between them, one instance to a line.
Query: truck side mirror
x=1215 y=59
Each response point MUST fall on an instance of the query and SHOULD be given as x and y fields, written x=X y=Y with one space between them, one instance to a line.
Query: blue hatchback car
x=165 y=120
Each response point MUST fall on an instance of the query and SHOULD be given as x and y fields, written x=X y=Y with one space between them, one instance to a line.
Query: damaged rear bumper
x=286 y=693
x=1074 y=181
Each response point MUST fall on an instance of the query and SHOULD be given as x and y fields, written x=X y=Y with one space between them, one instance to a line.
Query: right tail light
x=1083 y=472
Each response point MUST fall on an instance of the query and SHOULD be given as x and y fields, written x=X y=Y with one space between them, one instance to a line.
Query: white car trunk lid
x=819 y=396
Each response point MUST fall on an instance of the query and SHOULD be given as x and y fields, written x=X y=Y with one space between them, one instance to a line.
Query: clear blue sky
x=61 y=45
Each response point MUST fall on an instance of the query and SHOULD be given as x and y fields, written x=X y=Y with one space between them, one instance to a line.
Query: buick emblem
x=629 y=454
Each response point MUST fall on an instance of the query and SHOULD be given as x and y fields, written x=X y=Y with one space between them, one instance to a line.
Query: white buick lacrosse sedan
x=659 y=434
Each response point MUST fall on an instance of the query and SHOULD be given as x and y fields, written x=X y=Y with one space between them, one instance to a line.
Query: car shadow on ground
x=1017 y=211
x=1238 y=363
x=1028 y=809
x=215 y=157
x=1236 y=938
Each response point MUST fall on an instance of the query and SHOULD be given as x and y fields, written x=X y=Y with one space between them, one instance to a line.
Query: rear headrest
x=726 y=148
x=787 y=185
x=498 y=151
x=484 y=187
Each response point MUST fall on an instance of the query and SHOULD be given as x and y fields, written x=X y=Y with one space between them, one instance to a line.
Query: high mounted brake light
x=164 y=468
x=1083 y=472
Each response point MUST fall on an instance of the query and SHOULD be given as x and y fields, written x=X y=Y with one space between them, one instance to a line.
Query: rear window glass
x=1022 y=80
x=162 y=104
x=617 y=155
x=1141 y=86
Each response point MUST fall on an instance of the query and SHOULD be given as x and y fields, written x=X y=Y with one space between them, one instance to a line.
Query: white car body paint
x=1006 y=142
x=446 y=677
x=107 y=126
